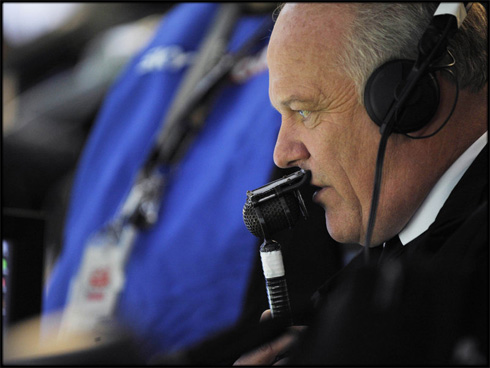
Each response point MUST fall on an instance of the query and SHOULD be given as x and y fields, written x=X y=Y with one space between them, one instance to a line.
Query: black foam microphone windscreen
x=275 y=206
x=278 y=213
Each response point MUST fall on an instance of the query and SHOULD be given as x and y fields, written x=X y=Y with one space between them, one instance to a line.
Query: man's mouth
x=316 y=194
x=317 y=189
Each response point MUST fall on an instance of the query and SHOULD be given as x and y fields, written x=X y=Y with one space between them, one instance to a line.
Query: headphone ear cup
x=381 y=90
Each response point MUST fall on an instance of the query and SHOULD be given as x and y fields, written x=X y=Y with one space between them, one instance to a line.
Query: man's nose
x=289 y=150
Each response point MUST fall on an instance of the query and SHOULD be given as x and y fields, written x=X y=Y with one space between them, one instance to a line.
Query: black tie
x=391 y=249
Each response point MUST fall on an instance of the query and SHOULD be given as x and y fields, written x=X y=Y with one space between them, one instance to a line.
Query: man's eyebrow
x=292 y=99
x=289 y=101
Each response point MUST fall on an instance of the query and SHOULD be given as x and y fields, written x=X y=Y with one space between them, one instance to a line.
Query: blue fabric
x=187 y=276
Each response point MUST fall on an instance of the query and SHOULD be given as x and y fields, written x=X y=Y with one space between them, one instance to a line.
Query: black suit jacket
x=426 y=305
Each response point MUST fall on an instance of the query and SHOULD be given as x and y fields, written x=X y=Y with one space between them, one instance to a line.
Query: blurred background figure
x=104 y=83
x=23 y=23
x=56 y=70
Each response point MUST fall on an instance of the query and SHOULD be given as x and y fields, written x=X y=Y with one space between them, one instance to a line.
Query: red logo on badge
x=99 y=278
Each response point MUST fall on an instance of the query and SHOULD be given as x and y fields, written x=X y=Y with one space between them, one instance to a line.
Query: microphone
x=271 y=208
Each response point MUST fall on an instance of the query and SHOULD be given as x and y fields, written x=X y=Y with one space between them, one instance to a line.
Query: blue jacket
x=187 y=276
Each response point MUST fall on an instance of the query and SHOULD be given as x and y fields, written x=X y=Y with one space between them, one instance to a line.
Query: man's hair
x=387 y=31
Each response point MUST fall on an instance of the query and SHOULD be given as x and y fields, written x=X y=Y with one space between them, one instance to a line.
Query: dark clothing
x=422 y=304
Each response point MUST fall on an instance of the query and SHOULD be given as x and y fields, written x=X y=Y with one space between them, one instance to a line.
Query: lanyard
x=95 y=289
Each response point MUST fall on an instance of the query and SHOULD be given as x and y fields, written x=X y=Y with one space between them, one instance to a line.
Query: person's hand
x=271 y=352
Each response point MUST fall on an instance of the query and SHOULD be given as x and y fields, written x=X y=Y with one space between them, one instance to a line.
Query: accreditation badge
x=94 y=291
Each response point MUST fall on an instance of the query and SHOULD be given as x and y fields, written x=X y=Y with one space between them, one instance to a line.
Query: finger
x=266 y=315
x=266 y=354
x=281 y=361
x=297 y=329
x=283 y=357
x=260 y=356
x=280 y=345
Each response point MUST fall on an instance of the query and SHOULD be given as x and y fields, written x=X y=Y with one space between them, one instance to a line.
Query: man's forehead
x=315 y=14
x=308 y=33
x=311 y=24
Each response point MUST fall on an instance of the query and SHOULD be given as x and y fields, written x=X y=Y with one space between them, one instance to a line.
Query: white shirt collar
x=427 y=212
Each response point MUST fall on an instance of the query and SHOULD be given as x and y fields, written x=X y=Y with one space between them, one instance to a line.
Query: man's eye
x=304 y=113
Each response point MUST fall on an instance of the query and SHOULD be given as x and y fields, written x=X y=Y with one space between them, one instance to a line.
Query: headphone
x=405 y=93
x=402 y=96
x=382 y=91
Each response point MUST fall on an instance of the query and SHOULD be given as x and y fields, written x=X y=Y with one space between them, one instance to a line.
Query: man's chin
x=341 y=234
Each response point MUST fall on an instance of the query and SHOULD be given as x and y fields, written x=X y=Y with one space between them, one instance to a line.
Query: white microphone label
x=272 y=264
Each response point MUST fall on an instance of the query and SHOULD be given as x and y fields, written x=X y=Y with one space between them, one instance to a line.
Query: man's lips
x=316 y=194
x=317 y=190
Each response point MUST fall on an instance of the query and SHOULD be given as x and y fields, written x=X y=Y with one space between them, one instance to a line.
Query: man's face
x=324 y=128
